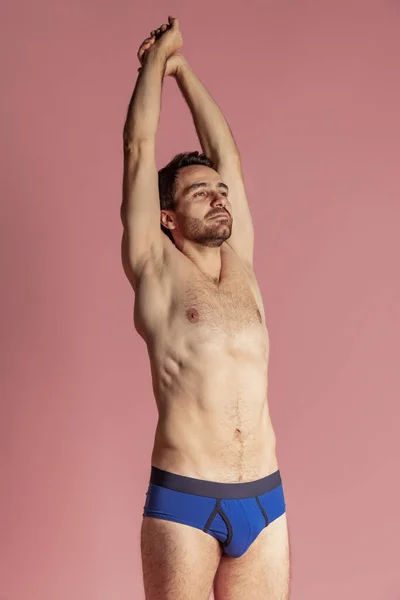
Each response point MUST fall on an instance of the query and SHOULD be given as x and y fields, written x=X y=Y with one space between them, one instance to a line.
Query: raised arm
x=140 y=209
x=217 y=143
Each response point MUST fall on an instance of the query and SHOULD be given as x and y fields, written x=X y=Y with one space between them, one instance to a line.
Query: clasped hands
x=165 y=41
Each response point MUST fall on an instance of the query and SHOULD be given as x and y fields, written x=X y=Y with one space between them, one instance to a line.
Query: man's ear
x=167 y=219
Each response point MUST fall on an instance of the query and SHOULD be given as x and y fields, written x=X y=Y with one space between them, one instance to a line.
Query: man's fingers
x=174 y=22
x=144 y=47
x=145 y=42
x=157 y=33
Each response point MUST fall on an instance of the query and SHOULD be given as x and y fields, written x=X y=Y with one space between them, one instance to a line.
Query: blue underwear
x=233 y=513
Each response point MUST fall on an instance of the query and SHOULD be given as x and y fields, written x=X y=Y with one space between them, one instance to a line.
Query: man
x=214 y=517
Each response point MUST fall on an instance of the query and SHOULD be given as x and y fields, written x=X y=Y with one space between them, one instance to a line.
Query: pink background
x=311 y=91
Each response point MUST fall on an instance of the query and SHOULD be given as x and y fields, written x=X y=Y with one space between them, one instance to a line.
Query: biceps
x=242 y=237
x=140 y=210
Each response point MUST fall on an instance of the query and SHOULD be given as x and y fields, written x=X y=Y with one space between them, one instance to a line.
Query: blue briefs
x=233 y=513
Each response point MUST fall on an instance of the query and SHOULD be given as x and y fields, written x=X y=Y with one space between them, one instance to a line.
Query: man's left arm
x=218 y=144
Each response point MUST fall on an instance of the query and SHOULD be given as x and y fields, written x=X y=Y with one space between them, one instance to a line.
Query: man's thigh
x=178 y=561
x=263 y=572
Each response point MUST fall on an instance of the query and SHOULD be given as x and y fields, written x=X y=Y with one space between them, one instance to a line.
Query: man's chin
x=217 y=239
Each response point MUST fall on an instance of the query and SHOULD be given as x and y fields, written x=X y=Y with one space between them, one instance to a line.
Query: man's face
x=197 y=216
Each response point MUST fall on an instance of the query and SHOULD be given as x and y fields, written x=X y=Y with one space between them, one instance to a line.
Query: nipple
x=193 y=315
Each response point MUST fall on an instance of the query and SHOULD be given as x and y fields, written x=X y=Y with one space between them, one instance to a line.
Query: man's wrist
x=156 y=59
x=182 y=69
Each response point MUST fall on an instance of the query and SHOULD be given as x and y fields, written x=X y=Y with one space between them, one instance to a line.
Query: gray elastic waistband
x=214 y=489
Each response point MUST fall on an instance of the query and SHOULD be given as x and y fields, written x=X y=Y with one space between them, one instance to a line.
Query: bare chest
x=231 y=306
x=189 y=300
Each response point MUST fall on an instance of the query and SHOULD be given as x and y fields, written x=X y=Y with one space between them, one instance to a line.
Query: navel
x=192 y=315
x=259 y=316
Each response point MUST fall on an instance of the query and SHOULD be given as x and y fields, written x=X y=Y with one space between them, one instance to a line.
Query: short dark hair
x=167 y=177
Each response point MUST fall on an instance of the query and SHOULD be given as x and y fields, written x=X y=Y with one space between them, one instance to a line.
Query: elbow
x=135 y=143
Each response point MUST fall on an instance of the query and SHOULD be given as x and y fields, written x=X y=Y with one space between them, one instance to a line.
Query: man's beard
x=211 y=233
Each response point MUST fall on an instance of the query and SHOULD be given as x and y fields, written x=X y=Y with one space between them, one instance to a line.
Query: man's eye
x=199 y=193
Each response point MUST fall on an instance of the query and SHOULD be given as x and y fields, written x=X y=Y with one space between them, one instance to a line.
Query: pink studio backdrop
x=311 y=91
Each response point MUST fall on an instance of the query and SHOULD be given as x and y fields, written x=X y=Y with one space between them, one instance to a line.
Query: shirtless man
x=214 y=516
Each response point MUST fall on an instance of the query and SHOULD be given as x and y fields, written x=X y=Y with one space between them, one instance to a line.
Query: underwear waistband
x=214 y=489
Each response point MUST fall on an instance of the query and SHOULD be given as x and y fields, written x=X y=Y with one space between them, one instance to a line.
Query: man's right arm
x=140 y=208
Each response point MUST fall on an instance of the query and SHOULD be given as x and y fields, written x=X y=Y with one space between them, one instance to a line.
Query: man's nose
x=219 y=200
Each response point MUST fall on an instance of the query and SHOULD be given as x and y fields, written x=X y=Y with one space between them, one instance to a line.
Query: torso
x=209 y=347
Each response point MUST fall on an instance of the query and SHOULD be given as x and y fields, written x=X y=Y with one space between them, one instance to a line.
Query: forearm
x=211 y=126
x=145 y=105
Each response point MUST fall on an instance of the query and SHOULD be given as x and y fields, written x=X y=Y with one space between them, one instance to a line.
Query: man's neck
x=207 y=259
